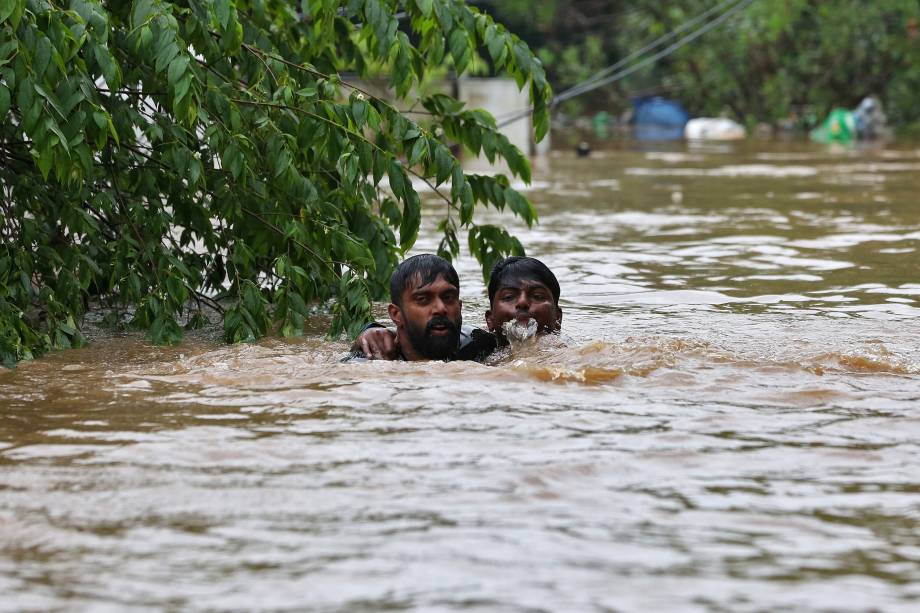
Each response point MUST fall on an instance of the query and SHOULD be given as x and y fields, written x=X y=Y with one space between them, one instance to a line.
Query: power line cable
x=594 y=83
x=666 y=51
x=575 y=90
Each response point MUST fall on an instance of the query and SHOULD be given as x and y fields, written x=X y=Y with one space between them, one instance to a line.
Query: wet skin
x=428 y=321
x=522 y=300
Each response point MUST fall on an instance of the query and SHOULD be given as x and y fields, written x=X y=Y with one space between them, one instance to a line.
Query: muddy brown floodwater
x=729 y=422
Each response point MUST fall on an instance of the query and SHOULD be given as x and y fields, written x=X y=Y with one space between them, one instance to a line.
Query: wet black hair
x=420 y=269
x=520 y=267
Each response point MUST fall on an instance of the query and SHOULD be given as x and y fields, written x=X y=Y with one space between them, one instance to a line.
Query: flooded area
x=727 y=422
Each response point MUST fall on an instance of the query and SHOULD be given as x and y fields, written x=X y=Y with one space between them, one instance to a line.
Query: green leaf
x=424 y=7
x=222 y=12
x=467 y=203
x=60 y=340
x=309 y=91
x=411 y=219
x=352 y=8
x=101 y=118
x=53 y=127
x=522 y=56
x=182 y=88
x=458 y=180
x=444 y=15
x=4 y=101
x=283 y=161
x=359 y=111
x=177 y=69
x=390 y=211
x=518 y=164
x=107 y=65
x=194 y=171
x=177 y=290
x=398 y=179
x=297 y=303
x=373 y=14
x=167 y=51
x=458 y=44
x=365 y=156
x=50 y=100
x=142 y=9
x=495 y=42
x=520 y=206
x=443 y=162
x=165 y=331
x=112 y=130
x=541 y=125
x=380 y=165
x=45 y=161
x=6 y=9
x=419 y=151
x=42 y=56
x=290 y=329
x=26 y=94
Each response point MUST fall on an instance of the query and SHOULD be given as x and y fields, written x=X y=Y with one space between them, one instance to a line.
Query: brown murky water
x=729 y=421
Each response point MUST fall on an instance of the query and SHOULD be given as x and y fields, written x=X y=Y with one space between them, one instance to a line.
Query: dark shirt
x=474 y=344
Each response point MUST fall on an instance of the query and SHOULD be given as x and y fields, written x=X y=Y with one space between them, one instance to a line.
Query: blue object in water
x=658 y=118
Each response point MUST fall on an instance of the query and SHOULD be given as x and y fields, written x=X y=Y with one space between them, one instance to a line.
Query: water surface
x=727 y=422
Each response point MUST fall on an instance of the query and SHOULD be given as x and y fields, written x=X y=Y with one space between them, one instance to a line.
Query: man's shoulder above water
x=475 y=344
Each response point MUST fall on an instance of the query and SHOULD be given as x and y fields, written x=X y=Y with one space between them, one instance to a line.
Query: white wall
x=502 y=98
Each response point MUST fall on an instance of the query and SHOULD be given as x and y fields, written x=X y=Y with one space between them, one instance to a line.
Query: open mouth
x=440 y=329
x=523 y=319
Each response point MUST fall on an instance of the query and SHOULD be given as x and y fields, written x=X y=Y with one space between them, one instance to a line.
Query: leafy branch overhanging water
x=170 y=158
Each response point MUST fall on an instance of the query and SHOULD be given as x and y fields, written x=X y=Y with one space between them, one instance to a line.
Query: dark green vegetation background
x=773 y=59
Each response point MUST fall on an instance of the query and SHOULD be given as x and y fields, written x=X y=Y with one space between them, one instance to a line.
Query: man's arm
x=376 y=343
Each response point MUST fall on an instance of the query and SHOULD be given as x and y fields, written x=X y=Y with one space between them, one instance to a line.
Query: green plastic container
x=839 y=127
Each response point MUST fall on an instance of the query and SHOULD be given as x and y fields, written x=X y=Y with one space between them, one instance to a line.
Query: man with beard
x=425 y=308
x=523 y=299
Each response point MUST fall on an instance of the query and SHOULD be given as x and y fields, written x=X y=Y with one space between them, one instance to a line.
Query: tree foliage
x=170 y=157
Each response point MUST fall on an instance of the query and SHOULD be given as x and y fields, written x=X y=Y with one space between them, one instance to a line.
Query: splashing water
x=518 y=333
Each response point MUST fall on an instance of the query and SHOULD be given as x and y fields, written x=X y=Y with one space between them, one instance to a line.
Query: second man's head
x=522 y=290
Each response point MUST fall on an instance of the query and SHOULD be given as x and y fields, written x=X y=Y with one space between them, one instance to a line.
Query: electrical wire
x=577 y=89
x=594 y=82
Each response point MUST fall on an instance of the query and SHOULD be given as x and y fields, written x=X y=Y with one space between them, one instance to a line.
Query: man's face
x=429 y=319
x=523 y=300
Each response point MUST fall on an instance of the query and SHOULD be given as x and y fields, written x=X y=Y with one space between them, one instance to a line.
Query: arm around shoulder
x=376 y=343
